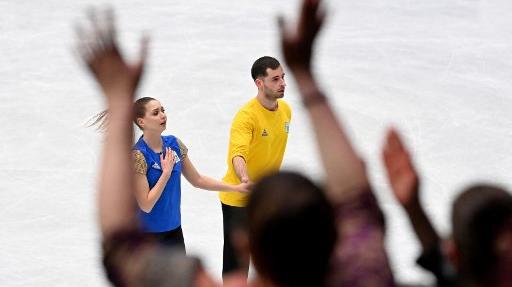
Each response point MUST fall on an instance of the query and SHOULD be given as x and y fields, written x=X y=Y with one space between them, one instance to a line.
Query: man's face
x=273 y=84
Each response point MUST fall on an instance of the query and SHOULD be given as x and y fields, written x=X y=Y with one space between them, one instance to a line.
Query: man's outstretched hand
x=98 y=48
x=297 y=43
x=400 y=171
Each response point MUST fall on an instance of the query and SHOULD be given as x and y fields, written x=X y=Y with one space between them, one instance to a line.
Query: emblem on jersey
x=287 y=127
x=155 y=166
x=176 y=157
x=264 y=133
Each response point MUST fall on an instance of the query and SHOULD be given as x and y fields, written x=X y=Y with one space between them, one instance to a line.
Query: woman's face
x=155 y=118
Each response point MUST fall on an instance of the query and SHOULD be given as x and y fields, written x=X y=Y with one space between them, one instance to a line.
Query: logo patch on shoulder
x=287 y=127
x=176 y=157
x=264 y=133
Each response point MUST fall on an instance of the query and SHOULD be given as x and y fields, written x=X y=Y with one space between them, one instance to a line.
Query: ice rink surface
x=439 y=70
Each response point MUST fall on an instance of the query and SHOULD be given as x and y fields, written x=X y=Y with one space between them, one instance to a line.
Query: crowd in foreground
x=296 y=232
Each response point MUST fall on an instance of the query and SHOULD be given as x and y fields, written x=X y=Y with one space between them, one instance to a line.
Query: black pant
x=233 y=218
x=172 y=238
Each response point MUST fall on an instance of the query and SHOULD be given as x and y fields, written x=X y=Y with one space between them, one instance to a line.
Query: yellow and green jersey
x=259 y=136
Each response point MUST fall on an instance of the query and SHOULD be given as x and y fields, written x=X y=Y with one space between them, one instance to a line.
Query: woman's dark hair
x=291 y=230
x=139 y=109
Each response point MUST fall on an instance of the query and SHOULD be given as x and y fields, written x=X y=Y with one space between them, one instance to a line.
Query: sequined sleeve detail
x=183 y=149
x=140 y=164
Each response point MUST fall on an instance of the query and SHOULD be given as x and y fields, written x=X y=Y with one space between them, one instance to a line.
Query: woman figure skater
x=160 y=160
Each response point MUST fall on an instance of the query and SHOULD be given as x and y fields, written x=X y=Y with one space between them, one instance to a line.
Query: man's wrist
x=312 y=99
x=414 y=208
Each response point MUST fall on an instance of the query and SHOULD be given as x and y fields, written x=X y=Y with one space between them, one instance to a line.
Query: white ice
x=439 y=70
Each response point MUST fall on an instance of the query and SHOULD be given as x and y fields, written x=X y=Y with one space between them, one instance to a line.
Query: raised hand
x=401 y=173
x=404 y=182
x=97 y=47
x=167 y=161
x=297 y=43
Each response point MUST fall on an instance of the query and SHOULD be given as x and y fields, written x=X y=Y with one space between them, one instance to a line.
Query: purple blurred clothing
x=360 y=258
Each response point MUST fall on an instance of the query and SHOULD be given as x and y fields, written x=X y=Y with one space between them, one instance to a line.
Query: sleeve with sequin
x=140 y=165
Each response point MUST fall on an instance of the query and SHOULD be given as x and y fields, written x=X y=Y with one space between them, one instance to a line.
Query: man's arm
x=241 y=169
x=359 y=220
x=118 y=80
x=239 y=141
x=333 y=144
x=404 y=182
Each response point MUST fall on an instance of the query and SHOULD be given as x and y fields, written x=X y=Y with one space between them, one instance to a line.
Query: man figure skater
x=258 y=137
